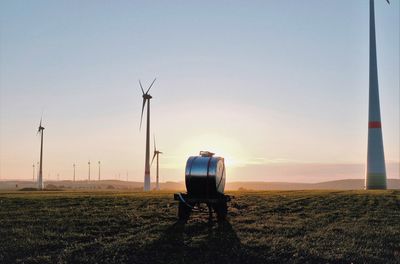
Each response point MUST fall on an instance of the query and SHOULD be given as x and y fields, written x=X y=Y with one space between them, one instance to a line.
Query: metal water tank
x=205 y=175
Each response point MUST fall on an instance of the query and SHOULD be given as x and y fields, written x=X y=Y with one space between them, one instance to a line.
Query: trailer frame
x=189 y=203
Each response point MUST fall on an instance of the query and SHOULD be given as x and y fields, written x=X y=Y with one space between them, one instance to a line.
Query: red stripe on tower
x=374 y=124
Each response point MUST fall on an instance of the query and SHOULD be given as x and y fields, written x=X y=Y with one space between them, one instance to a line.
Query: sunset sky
x=278 y=88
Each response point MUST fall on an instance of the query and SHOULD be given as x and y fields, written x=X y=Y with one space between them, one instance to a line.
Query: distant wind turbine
x=74 y=170
x=40 y=176
x=375 y=177
x=99 y=169
x=33 y=173
x=156 y=154
x=146 y=99
x=89 y=170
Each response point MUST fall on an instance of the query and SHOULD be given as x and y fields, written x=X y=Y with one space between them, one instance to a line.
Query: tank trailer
x=205 y=183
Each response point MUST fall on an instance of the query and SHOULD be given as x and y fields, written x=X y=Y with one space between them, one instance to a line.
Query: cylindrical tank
x=205 y=175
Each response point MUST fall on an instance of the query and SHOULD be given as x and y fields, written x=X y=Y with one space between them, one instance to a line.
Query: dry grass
x=273 y=227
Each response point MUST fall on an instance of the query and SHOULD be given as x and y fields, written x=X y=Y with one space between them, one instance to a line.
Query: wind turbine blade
x=388 y=2
x=155 y=153
x=151 y=85
x=40 y=125
x=141 y=117
x=141 y=87
x=155 y=147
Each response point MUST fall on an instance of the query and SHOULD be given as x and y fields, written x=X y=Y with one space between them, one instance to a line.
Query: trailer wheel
x=222 y=211
x=183 y=212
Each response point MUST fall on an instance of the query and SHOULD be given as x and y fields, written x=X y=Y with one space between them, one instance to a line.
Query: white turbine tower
x=156 y=154
x=88 y=170
x=33 y=176
x=99 y=169
x=146 y=98
x=375 y=177
x=40 y=176
x=74 y=171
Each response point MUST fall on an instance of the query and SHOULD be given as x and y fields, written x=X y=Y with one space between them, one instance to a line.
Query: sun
x=228 y=148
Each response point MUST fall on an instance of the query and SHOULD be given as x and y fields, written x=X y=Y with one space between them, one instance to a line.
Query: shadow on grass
x=197 y=243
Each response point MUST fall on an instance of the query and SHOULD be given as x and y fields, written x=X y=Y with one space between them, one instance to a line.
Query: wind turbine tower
x=99 y=169
x=40 y=176
x=33 y=173
x=146 y=99
x=375 y=177
x=89 y=170
x=74 y=170
x=156 y=154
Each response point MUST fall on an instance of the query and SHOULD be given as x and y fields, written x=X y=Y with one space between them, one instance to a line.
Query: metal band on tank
x=208 y=174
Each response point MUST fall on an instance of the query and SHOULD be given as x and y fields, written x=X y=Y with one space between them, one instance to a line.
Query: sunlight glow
x=228 y=148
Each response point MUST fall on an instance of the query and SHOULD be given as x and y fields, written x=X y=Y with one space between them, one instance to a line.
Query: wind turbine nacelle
x=205 y=175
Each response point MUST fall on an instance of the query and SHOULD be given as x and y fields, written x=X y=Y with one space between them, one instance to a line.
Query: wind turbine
x=40 y=176
x=89 y=170
x=156 y=154
x=375 y=177
x=99 y=169
x=146 y=99
x=33 y=173
x=74 y=170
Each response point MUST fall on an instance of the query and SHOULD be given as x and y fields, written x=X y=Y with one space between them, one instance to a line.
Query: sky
x=277 y=88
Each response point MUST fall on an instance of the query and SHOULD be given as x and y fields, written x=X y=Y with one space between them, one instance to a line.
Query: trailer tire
x=222 y=211
x=184 y=212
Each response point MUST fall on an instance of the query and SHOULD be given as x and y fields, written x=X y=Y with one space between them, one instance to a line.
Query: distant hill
x=349 y=184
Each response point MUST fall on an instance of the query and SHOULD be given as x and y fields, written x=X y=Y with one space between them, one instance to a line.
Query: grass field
x=263 y=227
